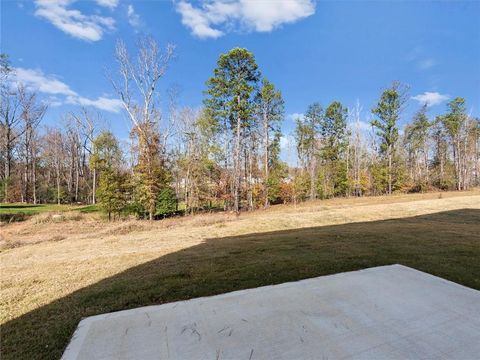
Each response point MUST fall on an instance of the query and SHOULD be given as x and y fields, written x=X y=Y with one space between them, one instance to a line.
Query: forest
x=225 y=155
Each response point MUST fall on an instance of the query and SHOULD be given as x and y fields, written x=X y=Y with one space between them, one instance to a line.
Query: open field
x=55 y=273
x=21 y=211
x=31 y=209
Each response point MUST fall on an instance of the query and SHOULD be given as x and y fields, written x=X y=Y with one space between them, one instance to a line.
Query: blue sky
x=312 y=51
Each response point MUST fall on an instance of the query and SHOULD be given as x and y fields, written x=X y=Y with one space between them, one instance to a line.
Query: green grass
x=445 y=244
x=31 y=209
x=19 y=211
x=88 y=209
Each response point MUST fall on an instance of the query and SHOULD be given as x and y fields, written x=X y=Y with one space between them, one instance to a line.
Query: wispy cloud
x=102 y=103
x=216 y=17
x=295 y=116
x=45 y=84
x=112 y=4
x=287 y=142
x=133 y=18
x=419 y=56
x=431 y=98
x=426 y=64
x=73 y=22
x=53 y=101
x=60 y=93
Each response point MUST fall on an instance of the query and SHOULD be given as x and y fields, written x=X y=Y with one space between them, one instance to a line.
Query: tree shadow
x=20 y=206
x=445 y=244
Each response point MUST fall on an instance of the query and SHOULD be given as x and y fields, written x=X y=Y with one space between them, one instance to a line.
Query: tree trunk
x=390 y=169
x=265 y=122
x=94 y=186
x=77 y=179
x=8 y=162
x=236 y=193
x=34 y=179
x=312 y=180
x=58 y=187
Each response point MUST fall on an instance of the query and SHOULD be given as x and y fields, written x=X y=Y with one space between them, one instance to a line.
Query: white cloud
x=102 y=103
x=133 y=17
x=48 y=84
x=197 y=21
x=259 y=15
x=295 y=116
x=431 y=98
x=111 y=4
x=53 y=101
x=287 y=142
x=73 y=22
x=36 y=80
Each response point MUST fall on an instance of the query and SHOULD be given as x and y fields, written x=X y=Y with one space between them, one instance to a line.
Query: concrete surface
x=388 y=312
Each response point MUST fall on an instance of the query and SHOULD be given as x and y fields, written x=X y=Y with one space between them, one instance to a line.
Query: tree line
x=225 y=155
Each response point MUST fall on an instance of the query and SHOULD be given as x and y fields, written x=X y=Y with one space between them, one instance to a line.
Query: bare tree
x=87 y=123
x=10 y=118
x=54 y=153
x=31 y=115
x=139 y=94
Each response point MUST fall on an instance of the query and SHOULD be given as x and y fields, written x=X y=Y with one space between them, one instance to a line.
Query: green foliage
x=277 y=176
x=341 y=184
x=306 y=132
x=379 y=173
x=416 y=133
x=333 y=129
x=230 y=103
x=270 y=105
x=301 y=186
x=456 y=116
x=230 y=89
x=150 y=173
x=112 y=192
x=106 y=152
x=387 y=114
x=166 y=202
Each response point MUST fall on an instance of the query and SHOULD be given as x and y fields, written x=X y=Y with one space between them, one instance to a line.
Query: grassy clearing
x=88 y=209
x=31 y=209
x=21 y=212
x=48 y=286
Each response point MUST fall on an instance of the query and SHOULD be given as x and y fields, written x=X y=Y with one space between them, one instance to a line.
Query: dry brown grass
x=43 y=261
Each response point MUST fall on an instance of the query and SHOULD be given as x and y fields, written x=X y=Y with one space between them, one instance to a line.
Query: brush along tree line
x=227 y=154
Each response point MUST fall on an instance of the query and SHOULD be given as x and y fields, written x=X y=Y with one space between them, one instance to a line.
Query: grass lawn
x=32 y=209
x=443 y=243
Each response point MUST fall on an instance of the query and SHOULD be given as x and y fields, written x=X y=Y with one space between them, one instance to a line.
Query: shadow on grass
x=446 y=244
x=20 y=206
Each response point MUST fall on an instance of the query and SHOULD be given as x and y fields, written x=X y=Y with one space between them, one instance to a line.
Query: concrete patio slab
x=388 y=312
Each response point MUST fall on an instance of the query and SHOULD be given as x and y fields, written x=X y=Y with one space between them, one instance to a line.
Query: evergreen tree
x=278 y=171
x=334 y=144
x=306 y=134
x=107 y=158
x=416 y=144
x=270 y=110
x=150 y=174
x=387 y=113
x=112 y=192
x=455 y=123
x=230 y=102
x=166 y=202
